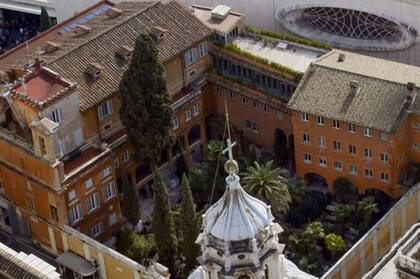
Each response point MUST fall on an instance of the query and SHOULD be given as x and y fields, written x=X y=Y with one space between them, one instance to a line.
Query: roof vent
x=125 y=53
x=93 y=71
x=158 y=33
x=81 y=30
x=220 y=12
x=50 y=47
x=354 y=88
x=341 y=57
x=113 y=12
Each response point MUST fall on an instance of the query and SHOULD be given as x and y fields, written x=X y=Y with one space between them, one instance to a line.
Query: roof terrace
x=291 y=55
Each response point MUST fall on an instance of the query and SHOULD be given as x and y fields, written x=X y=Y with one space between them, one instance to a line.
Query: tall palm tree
x=268 y=184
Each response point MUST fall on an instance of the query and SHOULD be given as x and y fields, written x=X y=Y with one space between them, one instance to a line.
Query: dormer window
x=113 y=12
x=125 y=53
x=93 y=71
x=50 y=47
x=158 y=33
x=81 y=30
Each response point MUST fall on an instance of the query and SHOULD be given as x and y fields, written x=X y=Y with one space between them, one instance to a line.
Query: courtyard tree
x=335 y=244
x=189 y=226
x=164 y=226
x=345 y=191
x=267 y=183
x=130 y=201
x=140 y=248
x=367 y=207
x=45 y=20
x=145 y=106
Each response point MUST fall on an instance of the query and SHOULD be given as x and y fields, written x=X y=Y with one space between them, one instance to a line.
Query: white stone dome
x=237 y=216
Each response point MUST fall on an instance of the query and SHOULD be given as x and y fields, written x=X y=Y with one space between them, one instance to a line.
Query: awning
x=20 y=7
x=76 y=263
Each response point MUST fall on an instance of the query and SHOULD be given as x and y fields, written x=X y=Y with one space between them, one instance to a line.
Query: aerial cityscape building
x=323 y=113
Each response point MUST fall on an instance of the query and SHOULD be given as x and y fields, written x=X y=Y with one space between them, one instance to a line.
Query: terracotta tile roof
x=41 y=88
x=183 y=31
x=379 y=102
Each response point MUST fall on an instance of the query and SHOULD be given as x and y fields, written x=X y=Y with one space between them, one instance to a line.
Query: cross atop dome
x=231 y=166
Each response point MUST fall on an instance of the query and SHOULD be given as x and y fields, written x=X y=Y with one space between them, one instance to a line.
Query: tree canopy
x=45 y=20
x=145 y=106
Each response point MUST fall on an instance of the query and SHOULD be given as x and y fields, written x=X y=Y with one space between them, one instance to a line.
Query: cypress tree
x=145 y=106
x=164 y=226
x=130 y=201
x=45 y=20
x=189 y=226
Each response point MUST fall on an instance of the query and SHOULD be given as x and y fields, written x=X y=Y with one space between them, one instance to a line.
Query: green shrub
x=287 y=37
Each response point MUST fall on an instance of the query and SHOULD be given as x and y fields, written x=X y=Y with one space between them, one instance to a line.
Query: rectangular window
x=383 y=136
x=97 y=230
x=304 y=116
x=367 y=132
x=126 y=156
x=218 y=90
x=187 y=115
x=89 y=183
x=54 y=213
x=203 y=49
x=384 y=177
x=368 y=173
x=368 y=153
x=109 y=190
x=105 y=109
x=72 y=195
x=244 y=100
x=195 y=110
x=255 y=127
x=279 y=114
x=75 y=214
x=336 y=124
x=249 y=124
x=116 y=162
x=112 y=219
x=352 y=128
x=336 y=145
x=307 y=158
x=321 y=142
x=338 y=166
x=231 y=95
x=320 y=120
x=352 y=149
x=175 y=123
x=57 y=115
x=190 y=56
x=42 y=147
x=353 y=170
x=266 y=109
x=255 y=103
x=384 y=157
x=92 y=202
x=322 y=162
x=106 y=172
x=305 y=138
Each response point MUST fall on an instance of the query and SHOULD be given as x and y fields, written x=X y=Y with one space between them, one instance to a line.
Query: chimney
x=93 y=71
x=37 y=65
x=50 y=47
x=354 y=87
x=157 y=33
x=124 y=53
x=341 y=57
x=113 y=12
x=81 y=30
x=411 y=95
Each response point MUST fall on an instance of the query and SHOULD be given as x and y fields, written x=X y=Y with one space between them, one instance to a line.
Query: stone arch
x=194 y=134
x=316 y=180
x=280 y=149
